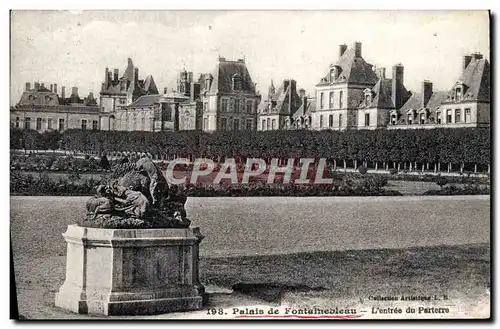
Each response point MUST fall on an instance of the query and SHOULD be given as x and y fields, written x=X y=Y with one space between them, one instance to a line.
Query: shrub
x=362 y=170
x=441 y=181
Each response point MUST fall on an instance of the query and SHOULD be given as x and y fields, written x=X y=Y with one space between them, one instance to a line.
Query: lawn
x=320 y=252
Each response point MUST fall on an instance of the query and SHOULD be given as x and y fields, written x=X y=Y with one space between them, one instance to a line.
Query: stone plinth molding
x=131 y=271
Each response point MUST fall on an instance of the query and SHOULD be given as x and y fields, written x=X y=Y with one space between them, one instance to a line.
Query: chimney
x=477 y=56
x=342 y=49
x=195 y=91
x=222 y=59
x=190 y=77
x=63 y=92
x=241 y=60
x=28 y=86
x=136 y=74
x=165 y=90
x=397 y=85
x=51 y=87
x=43 y=85
x=55 y=88
x=357 y=49
x=426 y=92
x=285 y=85
x=381 y=73
x=106 y=77
x=37 y=85
x=115 y=75
x=302 y=92
x=74 y=91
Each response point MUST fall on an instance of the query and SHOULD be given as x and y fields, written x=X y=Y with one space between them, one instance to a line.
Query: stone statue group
x=137 y=195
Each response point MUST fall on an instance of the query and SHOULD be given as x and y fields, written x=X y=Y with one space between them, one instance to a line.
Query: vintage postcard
x=245 y=165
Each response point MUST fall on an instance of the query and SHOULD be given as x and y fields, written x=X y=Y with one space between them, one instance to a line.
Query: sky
x=73 y=48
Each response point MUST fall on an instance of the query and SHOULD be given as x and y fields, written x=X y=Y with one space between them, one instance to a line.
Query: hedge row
x=465 y=145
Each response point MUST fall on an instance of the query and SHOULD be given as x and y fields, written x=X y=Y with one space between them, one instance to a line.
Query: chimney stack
x=106 y=77
x=426 y=92
x=136 y=74
x=55 y=88
x=381 y=73
x=286 y=83
x=115 y=75
x=63 y=92
x=165 y=90
x=302 y=92
x=190 y=77
x=477 y=56
x=195 y=91
x=43 y=85
x=342 y=49
x=357 y=49
x=37 y=85
x=28 y=86
x=465 y=62
x=397 y=85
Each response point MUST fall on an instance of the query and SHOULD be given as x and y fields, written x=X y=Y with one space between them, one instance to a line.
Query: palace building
x=45 y=109
x=229 y=97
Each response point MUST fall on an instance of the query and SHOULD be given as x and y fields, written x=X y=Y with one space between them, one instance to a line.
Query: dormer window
x=368 y=97
x=458 y=93
x=237 y=82
x=334 y=73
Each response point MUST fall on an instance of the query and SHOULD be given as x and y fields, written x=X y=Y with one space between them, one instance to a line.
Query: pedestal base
x=131 y=272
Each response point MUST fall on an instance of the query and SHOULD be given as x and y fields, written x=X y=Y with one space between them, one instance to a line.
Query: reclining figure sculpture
x=137 y=195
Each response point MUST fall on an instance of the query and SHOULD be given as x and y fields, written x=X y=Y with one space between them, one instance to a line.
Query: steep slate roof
x=382 y=95
x=35 y=97
x=354 y=70
x=476 y=78
x=310 y=107
x=223 y=74
x=145 y=101
x=415 y=103
x=279 y=101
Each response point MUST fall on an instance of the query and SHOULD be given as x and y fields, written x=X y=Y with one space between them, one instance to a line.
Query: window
x=438 y=114
x=331 y=100
x=84 y=124
x=236 y=124
x=268 y=127
x=340 y=120
x=341 y=96
x=330 y=120
x=95 y=127
x=224 y=105
x=17 y=122
x=367 y=119
x=321 y=121
x=263 y=125
x=393 y=119
x=332 y=75
x=38 y=123
x=467 y=116
x=237 y=82
x=321 y=100
x=205 y=123
x=457 y=115
x=223 y=123
x=205 y=107
x=49 y=123
x=448 y=116
x=249 y=106
x=27 y=123
x=123 y=101
x=61 y=124
x=410 y=119
x=273 y=124
x=422 y=118
x=249 y=124
x=168 y=113
x=236 y=105
x=458 y=94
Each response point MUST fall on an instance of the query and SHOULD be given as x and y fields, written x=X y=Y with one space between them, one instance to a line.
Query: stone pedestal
x=131 y=271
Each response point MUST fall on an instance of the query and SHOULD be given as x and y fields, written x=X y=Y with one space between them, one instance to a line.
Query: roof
x=131 y=84
x=223 y=74
x=476 y=78
x=281 y=99
x=310 y=106
x=353 y=70
x=415 y=103
x=145 y=101
x=35 y=97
